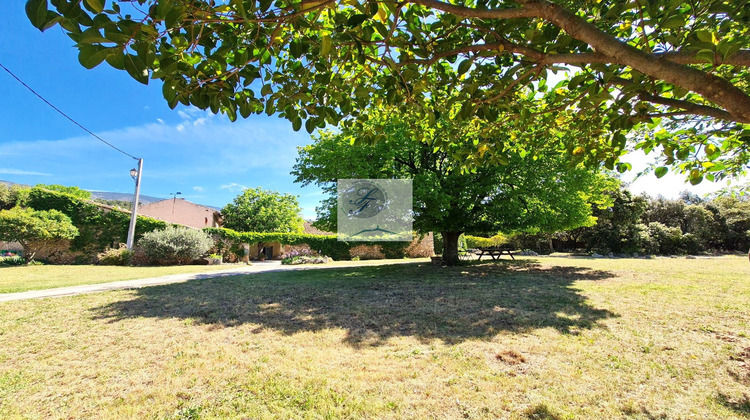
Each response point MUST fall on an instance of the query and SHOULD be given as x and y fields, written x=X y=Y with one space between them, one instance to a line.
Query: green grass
x=546 y=338
x=37 y=277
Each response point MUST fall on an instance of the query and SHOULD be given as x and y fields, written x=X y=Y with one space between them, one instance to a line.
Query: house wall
x=181 y=212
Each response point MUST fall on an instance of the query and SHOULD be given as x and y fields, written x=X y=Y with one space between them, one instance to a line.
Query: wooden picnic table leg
x=511 y=256
x=480 y=256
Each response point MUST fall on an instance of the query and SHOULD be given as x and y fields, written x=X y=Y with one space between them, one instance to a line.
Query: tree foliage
x=99 y=227
x=667 y=76
x=35 y=229
x=647 y=225
x=529 y=193
x=70 y=190
x=13 y=195
x=259 y=210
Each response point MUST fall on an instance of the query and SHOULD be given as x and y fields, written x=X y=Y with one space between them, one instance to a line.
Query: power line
x=66 y=116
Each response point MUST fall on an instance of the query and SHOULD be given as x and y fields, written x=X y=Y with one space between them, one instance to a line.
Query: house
x=180 y=211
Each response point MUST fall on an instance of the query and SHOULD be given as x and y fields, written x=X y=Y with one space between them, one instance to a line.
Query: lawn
x=37 y=277
x=545 y=338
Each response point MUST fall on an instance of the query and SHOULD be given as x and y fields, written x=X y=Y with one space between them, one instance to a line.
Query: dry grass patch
x=542 y=339
x=37 y=277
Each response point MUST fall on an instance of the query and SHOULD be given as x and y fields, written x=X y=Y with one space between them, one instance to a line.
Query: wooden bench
x=495 y=252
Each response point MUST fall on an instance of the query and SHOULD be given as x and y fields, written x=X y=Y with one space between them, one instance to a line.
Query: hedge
x=98 y=227
x=325 y=244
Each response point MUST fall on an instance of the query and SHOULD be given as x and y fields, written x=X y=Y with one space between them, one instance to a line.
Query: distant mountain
x=113 y=196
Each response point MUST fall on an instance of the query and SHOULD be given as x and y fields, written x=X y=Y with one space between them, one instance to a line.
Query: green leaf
x=91 y=36
x=96 y=6
x=356 y=20
x=36 y=10
x=673 y=22
x=325 y=45
x=91 y=56
x=704 y=36
x=116 y=59
x=137 y=69
x=464 y=67
x=310 y=125
x=297 y=124
x=466 y=110
x=661 y=171
x=712 y=151
x=296 y=48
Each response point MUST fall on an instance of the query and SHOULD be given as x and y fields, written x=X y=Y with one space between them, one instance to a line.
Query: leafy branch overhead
x=662 y=75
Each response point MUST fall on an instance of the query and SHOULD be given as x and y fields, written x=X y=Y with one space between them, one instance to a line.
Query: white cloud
x=233 y=187
x=9 y=171
x=199 y=189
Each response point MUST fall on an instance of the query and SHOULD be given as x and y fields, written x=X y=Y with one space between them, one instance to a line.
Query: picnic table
x=495 y=252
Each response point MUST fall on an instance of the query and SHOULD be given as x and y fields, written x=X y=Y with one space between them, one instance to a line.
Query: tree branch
x=690 y=107
x=711 y=87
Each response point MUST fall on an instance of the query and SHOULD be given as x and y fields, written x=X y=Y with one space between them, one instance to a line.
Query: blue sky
x=205 y=157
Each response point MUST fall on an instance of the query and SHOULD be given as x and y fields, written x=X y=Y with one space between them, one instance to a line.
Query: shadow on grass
x=740 y=406
x=375 y=303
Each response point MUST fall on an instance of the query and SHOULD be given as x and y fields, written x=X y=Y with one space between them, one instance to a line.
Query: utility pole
x=136 y=174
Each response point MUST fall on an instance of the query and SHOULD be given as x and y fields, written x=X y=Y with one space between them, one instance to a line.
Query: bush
x=175 y=245
x=115 y=256
x=12 y=261
x=665 y=240
x=302 y=257
x=480 y=242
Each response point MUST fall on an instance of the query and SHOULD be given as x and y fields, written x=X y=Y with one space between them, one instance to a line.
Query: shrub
x=665 y=240
x=116 y=256
x=175 y=245
x=11 y=261
x=480 y=242
x=302 y=257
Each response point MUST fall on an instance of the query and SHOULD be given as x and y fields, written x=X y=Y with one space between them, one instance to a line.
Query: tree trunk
x=450 y=248
x=261 y=255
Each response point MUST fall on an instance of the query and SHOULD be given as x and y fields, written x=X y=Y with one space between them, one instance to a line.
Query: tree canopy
x=668 y=76
x=35 y=229
x=72 y=190
x=259 y=210
x=537 y=193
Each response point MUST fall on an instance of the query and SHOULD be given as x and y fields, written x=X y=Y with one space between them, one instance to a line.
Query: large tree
x=259 y=210
x=36 y=230
x=539 y=193
x=672 y=74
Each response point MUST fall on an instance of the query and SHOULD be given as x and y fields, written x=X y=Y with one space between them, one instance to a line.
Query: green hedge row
x=325 y=244
x=99 y=228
